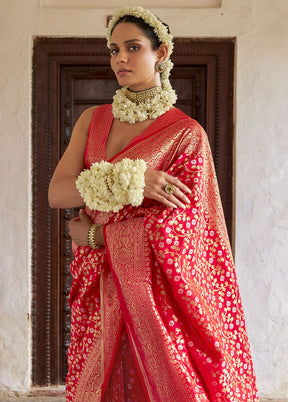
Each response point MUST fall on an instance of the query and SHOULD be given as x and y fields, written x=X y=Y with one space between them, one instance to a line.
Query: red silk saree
x=156 y=314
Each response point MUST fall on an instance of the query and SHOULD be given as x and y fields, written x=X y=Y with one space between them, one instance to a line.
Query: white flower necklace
x=132 y=107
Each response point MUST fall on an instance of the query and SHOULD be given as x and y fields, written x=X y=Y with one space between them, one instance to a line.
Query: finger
x=83 y=216
x=177 y=201
x=174 y=200
x=181 y=196
x=70 y=224
x=176 y=196
x=166 y=201
x=178 y=183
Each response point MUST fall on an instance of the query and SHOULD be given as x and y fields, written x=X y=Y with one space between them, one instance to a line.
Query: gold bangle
x=91 y=236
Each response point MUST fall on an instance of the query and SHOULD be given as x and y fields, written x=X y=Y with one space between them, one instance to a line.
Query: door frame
x=49 y=54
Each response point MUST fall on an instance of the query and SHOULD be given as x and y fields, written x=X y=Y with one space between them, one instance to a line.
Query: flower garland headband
x=125 y=109
x=160 y=30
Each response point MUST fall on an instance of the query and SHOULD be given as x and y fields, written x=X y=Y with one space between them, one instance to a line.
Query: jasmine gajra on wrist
x=108 y=187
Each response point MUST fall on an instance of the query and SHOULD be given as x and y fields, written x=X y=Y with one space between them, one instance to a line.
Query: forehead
x=127 y=31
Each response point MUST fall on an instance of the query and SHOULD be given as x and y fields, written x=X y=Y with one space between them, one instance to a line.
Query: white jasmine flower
x=108 y=187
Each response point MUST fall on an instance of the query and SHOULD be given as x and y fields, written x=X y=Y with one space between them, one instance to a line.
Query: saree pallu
x=156 y=314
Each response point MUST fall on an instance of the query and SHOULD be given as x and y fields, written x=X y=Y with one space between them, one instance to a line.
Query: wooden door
x=70 y=75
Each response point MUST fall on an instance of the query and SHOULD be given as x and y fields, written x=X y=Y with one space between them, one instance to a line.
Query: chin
x=124 y=82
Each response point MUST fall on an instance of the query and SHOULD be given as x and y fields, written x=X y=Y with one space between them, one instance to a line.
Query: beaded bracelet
x=91 y=236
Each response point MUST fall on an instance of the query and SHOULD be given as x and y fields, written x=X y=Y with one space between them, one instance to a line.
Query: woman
x=156 y=311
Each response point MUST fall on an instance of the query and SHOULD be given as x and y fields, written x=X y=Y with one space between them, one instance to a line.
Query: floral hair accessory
x=108 y=187
x=159 y=28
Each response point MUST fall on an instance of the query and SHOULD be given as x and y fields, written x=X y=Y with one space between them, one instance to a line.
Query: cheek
x=113 y=64
x=148 y=63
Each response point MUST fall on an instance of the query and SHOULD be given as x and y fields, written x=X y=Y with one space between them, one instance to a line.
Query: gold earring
x=160 y=66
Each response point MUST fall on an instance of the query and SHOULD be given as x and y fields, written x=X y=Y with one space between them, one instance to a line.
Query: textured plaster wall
x=261 y=162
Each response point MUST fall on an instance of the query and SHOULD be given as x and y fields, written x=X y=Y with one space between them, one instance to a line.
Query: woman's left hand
x=156 y=182
x=78 y=228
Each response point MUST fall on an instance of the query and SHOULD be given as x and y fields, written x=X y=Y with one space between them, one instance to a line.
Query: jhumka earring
x=160 y=66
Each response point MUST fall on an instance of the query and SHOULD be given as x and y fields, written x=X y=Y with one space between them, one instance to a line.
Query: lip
x=123 y=72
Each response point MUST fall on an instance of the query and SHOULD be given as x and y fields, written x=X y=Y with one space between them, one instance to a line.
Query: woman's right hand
x=155 y=182
x=79 y=227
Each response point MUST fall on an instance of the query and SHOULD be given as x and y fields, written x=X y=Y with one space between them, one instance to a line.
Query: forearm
x=64 y=194
x=99 y=236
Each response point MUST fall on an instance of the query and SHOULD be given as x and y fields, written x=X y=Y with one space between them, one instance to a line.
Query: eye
x=134 y=48
x=113 y=51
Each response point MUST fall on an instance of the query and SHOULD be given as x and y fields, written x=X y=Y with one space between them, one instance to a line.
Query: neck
x=151 y=83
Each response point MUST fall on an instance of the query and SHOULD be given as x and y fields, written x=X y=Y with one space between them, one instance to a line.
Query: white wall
x=261 y=149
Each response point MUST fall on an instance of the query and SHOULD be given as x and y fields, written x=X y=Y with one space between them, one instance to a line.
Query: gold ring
x=169 y=188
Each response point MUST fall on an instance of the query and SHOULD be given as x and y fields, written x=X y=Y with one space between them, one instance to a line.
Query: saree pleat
x=156 y=314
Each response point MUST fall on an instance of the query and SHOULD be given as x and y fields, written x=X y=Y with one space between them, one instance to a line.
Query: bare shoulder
x=80 y=131
x=81 y=127
x=86 y=116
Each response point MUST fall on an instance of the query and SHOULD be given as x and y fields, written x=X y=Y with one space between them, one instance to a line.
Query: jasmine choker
x=131 y=107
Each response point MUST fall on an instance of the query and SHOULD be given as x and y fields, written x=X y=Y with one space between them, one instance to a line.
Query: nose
x=122 y=57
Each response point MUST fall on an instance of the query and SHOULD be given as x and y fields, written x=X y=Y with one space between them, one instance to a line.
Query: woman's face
x=132 y=58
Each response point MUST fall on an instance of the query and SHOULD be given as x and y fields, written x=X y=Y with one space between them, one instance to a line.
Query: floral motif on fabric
x=157 y=315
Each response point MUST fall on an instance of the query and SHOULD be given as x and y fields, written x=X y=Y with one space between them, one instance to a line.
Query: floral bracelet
x=108 y=187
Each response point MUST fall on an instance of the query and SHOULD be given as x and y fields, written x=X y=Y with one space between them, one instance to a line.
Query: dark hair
x=145 y=28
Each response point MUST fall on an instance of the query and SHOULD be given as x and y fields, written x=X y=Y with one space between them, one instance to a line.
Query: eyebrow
x=126 y=41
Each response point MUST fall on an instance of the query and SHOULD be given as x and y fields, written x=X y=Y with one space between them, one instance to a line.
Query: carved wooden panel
x=70 y=75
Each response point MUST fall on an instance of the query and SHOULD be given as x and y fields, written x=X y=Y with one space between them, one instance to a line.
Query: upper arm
x=72 y=161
